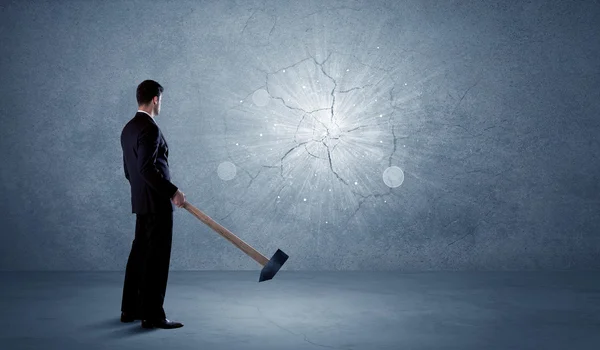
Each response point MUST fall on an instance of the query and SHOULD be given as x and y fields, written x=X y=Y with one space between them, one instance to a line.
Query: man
x=145 y=154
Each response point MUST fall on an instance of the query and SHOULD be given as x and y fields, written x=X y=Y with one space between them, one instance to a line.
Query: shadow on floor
x=131 y=331
x=122 y=330
x=106 y=324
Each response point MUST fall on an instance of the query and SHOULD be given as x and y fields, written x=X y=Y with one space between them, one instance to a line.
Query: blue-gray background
x=490 y=109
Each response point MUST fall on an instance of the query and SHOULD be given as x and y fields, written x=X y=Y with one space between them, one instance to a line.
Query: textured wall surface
x=409 y=135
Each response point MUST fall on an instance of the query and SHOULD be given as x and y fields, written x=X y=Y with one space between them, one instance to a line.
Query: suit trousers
x=147 y=268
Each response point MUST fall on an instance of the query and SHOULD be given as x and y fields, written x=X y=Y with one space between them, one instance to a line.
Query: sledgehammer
x=270 y=267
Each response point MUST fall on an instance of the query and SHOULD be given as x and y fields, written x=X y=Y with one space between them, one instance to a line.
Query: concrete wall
x=405 y=135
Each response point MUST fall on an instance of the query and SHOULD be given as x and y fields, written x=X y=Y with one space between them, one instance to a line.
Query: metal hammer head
x=271 y=268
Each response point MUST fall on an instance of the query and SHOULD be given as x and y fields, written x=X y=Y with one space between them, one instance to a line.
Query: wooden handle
x=261 y=259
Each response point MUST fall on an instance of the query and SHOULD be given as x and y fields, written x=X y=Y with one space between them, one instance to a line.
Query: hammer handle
x=245 y=247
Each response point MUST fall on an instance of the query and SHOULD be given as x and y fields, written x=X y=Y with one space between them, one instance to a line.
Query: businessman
x=145 y=154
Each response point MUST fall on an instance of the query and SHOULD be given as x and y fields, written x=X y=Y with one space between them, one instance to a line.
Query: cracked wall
x=351 y=135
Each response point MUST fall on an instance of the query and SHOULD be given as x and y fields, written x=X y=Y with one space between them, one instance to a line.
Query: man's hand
x=178 y=199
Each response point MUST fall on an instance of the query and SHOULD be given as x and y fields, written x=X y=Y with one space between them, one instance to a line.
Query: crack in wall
x=252 y=16
x=364 y=199
x=328 y=138
x=333 y=9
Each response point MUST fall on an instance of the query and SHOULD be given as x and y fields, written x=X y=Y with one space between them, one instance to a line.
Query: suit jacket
x=146 y=166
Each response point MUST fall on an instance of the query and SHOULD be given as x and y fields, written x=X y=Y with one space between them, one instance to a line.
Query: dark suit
x=145 y=153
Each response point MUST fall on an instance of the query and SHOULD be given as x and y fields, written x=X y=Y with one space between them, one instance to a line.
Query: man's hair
x=147 y=90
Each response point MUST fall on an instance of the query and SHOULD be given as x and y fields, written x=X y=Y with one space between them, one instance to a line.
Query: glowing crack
x=339 y=127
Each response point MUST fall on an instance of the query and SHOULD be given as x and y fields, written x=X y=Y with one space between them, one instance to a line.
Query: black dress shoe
x=164 y=324
x=127 y=318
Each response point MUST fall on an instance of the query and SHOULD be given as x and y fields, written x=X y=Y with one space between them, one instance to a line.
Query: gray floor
x=309 y=310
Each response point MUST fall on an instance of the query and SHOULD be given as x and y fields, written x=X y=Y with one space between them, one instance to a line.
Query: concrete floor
x=309 y=310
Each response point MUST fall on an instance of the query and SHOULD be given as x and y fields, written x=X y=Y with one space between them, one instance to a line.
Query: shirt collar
x=139 y=110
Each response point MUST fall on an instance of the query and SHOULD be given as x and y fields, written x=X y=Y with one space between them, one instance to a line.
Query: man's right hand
x=178 y=199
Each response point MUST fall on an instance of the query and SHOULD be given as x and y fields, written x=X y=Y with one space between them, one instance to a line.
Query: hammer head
x=271 y=268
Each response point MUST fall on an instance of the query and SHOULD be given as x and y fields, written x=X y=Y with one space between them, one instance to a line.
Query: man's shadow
x=120 y=329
